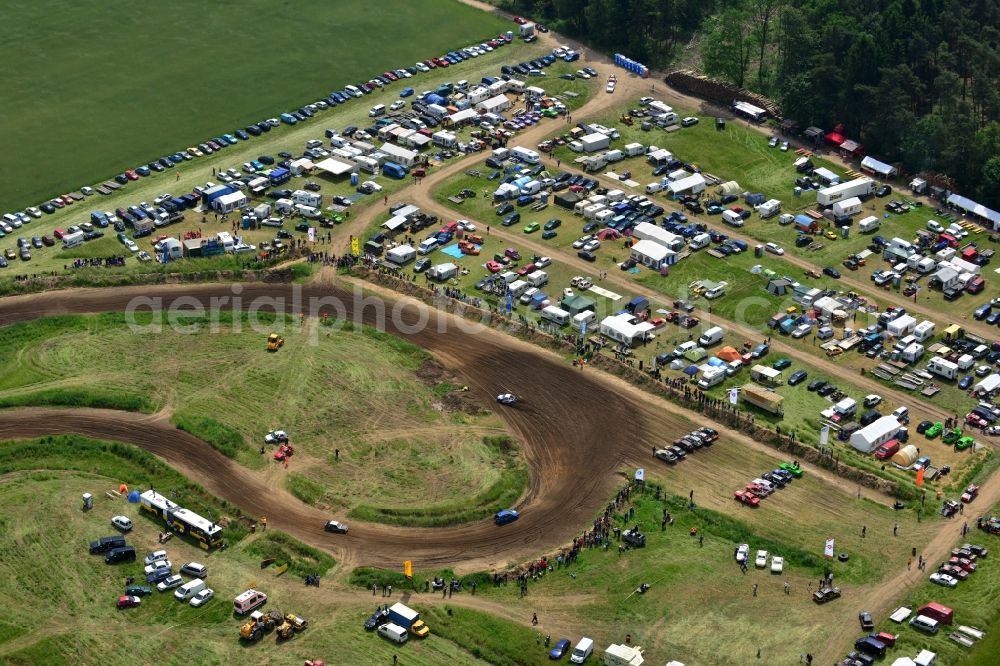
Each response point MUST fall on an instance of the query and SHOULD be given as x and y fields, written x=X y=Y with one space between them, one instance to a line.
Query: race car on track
x=507 y=399
x=336 y=527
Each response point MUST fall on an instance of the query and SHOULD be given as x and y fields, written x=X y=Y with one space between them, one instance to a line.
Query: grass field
x=199 y=172
x=92 y=91
x=225 y=388
x=61 y=601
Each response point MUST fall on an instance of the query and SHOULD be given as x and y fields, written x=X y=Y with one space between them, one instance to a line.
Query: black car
x=587 y=255
x=503 y=209
x=265 y=159
x=104 y=544
x=47 y=208
x=121 y=179
x=241 y=135
x=590 y=226
x=826 y=390
x=122 y=554
x=883 y=191
x=797 y=377
x=377 y=619
x=923 y=426
x=552 y=224
x=279 y=194
x=254 y=130
x=511 y=219
x=832 y=272
x=157 y=167
x=421 y=265
x=816 y=385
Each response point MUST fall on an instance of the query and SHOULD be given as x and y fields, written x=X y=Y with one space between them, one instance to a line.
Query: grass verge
x=301 y=559
x=219 y=436
x=501 y=494
x=92 y=397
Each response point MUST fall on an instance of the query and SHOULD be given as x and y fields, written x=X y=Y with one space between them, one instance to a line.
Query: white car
x=761 y=561
x=610 y=88
x=156 y=566
x=582 y=74
x=422 y=67
x=774 y=248
x=122 y=523
x=543 y=262
x=202 y=597
x=276 y=437
x=371 y=186
x=130 y=244
x=87 y=191
x=34 y=211
x=580 y=242
x=935 y=226
x=592 y=245
x=397 y=105
x=689 y=121
x=801 y=331
x=944 y=579
x=170 y=583
x=872 y=399
x=784 y=146
x=155 y=556
x=742 y=553
x=244 y=248
x=777 y=564
x=567 y=293
x=766 y=485
x=468 y=226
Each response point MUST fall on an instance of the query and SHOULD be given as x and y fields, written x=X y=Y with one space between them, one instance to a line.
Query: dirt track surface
x=568 y=425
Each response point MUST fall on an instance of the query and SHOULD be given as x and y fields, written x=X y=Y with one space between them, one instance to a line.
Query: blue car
x=965 y=382
x=560 y=649
x=406 y=92
x=159 y=575
x=506 y=516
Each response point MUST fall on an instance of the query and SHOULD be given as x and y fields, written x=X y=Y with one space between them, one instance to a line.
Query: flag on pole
x=510 y=301
x=356 y=246
x=920 y=476
x=734 y=394
x=583 y=329
x=824 y=435
x=408 y=568
x=312 y=234
x=640 y=474
x=828 y=550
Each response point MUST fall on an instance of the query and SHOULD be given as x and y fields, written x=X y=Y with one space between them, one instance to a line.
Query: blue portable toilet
x=544 y=196
x=354 y=179
x=510 y=35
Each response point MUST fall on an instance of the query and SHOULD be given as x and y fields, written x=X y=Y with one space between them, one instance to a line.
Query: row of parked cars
x=767 y=483
x=689 y=443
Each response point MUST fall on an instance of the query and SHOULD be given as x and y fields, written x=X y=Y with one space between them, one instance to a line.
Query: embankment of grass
x=502 y=494
x=499 y=641
x=365 y=577
x=95 y=398
x=304 y=488
x=120 y=463
x=302 y=560
x=219 y=436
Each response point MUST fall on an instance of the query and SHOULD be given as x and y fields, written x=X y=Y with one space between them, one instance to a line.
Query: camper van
x=377 y=110
x=653 y=188
x=868 y=224
x=712 y=377
x=711 y=336
x=586 y=317
x=556 y=315
x=525 y=155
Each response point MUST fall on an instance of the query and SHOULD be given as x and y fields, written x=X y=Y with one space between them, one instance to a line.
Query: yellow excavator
x=259 y=623
x=292 y=625
x=274 y=342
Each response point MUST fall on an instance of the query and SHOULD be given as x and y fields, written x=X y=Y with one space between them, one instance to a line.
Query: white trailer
x=859 y=187
x=556 y=315
x=942 y=367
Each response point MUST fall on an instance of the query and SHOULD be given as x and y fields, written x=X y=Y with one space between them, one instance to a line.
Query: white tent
x=692 y=184
x=872 y=165
x=875 y=434
x=650 y=253
x=988 y=385
x=334 y=167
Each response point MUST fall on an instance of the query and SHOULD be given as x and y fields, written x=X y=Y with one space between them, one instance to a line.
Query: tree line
x=915 y=81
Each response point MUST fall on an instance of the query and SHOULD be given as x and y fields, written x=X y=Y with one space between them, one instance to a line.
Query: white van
x=377 y=110
x=732 y=218
x=699 y=241
x=925 y=624
x=248 y=600
x=189 y=589
x=684 y=348
x=427 y=246
x=711 y=336
x=73 y=239
x=653 y=188
x=354 y=91
x=586 y=317
x=582 y=650
x=393 y=632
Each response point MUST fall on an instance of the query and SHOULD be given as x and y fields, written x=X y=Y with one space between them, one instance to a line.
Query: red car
x=744 y=497
x=68 y=200
x=963 y=563
x=756 y=490
x=524 y=270
x=520 y=20
x=127 y=601
x=886 y=637
x=975 y=420
x=431 y=63
x=131 y=175
x=493 y=266
x=390 y=75
x=953 y=571
x=59 y=233
x=970 y=493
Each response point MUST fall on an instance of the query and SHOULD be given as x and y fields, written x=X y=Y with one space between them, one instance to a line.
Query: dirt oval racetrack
x=575 y=432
